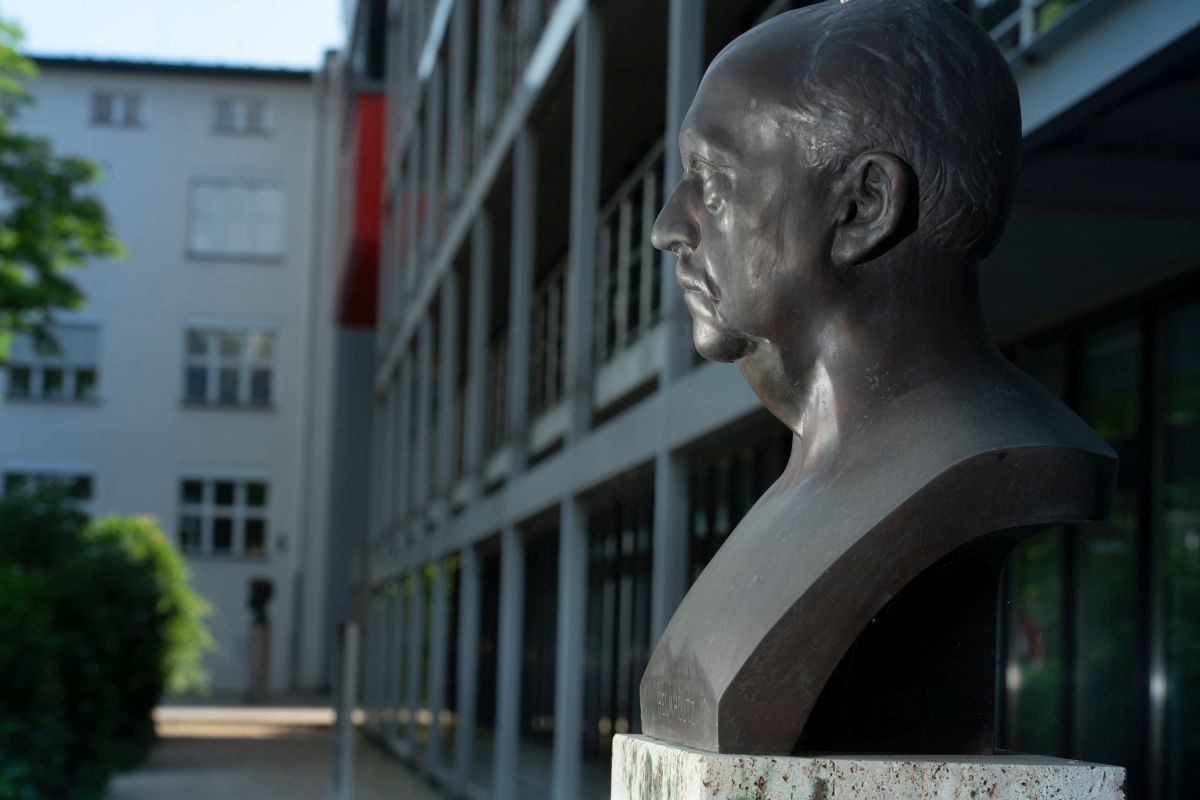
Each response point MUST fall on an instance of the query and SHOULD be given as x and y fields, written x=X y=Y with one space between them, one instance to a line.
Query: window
x=116 y=109
x=223 y=516
x=78 y=485
x=236 y=218
x=228 y=366
x=240 y=115
x=68 y=375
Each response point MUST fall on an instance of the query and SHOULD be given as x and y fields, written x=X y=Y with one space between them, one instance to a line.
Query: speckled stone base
x=647 y=769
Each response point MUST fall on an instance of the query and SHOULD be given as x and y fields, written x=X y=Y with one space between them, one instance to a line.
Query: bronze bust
x=845 y=168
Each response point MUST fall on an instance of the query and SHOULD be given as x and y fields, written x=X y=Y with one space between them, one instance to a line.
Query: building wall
x=139 y=437
x=523 y=130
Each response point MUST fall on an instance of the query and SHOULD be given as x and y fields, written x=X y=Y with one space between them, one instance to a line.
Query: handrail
x=627 y=286
x=547 y=340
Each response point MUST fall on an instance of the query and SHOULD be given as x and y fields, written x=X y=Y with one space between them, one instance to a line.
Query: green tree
x=96 y=622
x=48 y=221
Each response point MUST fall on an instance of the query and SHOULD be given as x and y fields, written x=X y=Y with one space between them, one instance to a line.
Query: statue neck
x=865 y=357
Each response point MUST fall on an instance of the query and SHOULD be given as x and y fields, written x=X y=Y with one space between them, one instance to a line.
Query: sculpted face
x=749 y=220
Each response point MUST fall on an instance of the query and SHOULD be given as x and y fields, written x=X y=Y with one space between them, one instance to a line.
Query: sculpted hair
x=919 y=79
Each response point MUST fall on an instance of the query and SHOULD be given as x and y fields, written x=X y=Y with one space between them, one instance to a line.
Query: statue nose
x=674 y=228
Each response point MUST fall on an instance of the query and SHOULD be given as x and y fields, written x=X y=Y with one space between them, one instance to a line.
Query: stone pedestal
x=647 y=769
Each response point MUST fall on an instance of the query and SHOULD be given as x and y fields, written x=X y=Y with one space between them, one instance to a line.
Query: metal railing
x=1016 y=24
x=547 y=340
x=628 y=289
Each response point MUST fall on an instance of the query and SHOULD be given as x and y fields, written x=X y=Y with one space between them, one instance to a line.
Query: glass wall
x=1103 y=643
x=1179 y=678
x=620 y=537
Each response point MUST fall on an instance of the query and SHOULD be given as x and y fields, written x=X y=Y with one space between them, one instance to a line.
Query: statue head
x=838 y=161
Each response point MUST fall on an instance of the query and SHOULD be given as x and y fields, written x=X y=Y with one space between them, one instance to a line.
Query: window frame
x=239 y=511
x=222 y=252
x=241 y=115
x=44 y=474
x=69 y=366
x=122 y=109
x=214 y=363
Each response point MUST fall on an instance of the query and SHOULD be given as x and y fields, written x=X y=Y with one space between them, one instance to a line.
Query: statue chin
x=714 y=344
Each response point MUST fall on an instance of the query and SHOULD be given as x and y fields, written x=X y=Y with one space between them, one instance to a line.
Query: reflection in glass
x=1107 y=627
x=1181 y=560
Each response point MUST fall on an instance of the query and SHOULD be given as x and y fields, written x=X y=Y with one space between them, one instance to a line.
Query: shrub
x=95 y=622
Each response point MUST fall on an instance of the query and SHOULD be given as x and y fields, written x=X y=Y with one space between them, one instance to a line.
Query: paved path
x=209 y=753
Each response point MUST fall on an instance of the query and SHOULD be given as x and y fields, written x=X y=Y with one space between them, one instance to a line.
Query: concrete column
x=478 y=331
x=685 y=47
x=424 y=387
x=585 y=206
x=381 y=494
x=520 y=296
x=388 y=457
x=402 y=474
x=668 y=578
x=390 y=663
x=468 y=662
x=568 y=667
x=447 y=383
x=508 y=668
x=485 y=80
x=456 y=101
x=685 y=54
x=433 y=163
x=415 y=644
x=438 y=652
x=413 y=249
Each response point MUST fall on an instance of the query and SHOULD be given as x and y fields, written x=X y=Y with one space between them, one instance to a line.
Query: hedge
x=97 y=621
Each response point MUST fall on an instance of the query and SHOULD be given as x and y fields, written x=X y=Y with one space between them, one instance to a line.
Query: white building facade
x=180 y=391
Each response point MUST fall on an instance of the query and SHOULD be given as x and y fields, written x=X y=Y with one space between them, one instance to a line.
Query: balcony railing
x=546 y=340
x=628 y=289
x=518 y=36
x=1018 y=24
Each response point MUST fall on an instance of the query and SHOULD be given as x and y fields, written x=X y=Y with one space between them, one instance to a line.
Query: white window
x=223 y=516
x=69 y=374
x=116 y=109
x=78 y=485
x=236 y=218
x=228 y=366
x=240 y=115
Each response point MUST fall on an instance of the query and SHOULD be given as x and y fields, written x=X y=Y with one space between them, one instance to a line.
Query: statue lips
x=696 y=290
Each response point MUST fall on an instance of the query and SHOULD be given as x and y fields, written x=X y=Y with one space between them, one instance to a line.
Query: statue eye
x=715 y=187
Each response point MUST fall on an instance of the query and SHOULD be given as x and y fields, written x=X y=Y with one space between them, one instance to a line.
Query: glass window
x=256 y=494
x=222 y=534
x=224 y=493
x=20 y=381
x=236 y=218
x=228 y=367
x=52 y=383
x=79 y=487
x=190 y=533
x=67 y=372
x=196 y=384
x=85 y=384
x=232 y=512
x=192 y=491
x=260 y=386
x=256 y=536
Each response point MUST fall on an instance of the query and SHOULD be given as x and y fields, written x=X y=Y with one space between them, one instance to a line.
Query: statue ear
x=875 y=192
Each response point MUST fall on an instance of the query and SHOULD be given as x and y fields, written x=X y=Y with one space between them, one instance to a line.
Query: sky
x=268 y=33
